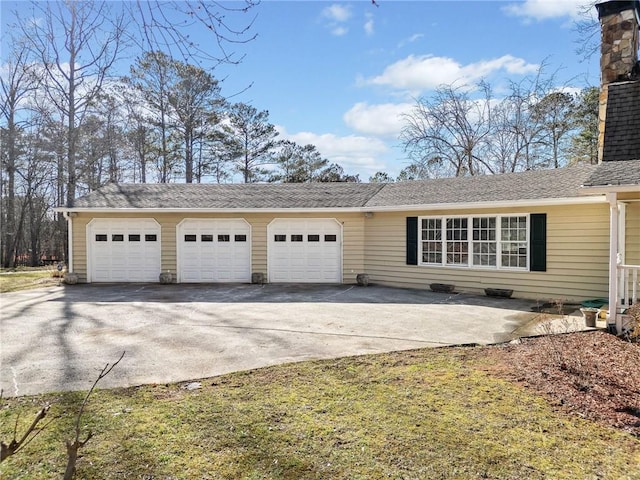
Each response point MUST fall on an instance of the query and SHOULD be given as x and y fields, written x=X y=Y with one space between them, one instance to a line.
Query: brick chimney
x=619 y=24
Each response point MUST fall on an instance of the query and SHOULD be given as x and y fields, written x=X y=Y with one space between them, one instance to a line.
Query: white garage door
x=305 y=250
x=214 y=250
x=124 y=250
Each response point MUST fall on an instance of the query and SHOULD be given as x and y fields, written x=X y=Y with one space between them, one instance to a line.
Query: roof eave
x=202 y=210
x=603 y=189
x=497 y=204
x=592 y=199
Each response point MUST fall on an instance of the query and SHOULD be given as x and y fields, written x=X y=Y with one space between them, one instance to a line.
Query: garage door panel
x=305 y=251
x=221 y=251
x=124 y=250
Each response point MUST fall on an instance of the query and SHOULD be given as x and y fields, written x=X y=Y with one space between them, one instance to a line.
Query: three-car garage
x=215 y=250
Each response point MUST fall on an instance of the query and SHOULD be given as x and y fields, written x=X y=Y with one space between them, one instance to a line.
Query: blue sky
x=338 y=74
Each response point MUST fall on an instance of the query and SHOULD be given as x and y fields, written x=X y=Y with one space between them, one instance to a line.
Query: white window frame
x=471 y=242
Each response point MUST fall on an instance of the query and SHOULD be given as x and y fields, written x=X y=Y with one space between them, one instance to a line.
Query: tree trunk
x=188 y=154
x=10 y=232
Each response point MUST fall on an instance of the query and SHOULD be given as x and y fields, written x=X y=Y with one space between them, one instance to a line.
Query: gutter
x=582 y=200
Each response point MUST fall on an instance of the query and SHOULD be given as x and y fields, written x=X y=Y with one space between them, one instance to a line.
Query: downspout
x=69 y=216
x=613 y=319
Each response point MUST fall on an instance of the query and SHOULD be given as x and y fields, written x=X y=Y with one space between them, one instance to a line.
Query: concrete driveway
x=59 y=338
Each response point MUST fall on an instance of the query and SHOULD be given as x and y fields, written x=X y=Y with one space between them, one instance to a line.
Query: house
x=572 y=233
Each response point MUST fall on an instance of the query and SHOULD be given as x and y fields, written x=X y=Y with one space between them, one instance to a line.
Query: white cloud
x=368 y=25
x=337 y=13
x=546 y=9
x=384 y=119
x=336 y=16
x=417 y=73
x=413 y=38
x=356 y=154
x=339 y=31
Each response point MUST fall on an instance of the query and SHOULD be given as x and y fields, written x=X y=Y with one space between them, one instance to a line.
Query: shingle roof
x=232 y=196
x=622 y=131
x=530 y=185
x=615 y=173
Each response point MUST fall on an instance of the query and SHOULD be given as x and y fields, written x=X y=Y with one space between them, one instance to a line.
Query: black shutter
x=412 y=240
x=538 y=242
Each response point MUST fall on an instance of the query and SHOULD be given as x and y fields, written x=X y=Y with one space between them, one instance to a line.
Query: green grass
x=428 y=414
x=26 y=279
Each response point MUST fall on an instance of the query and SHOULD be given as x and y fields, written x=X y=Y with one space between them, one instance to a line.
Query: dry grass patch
x=27 y=279
x=419 y=414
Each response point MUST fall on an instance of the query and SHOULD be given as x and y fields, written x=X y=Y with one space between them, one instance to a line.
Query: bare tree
x=16 y=85
x=447 y=133
x=76 y=44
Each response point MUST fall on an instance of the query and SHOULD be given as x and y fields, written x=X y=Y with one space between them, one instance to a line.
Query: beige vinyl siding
x=577 y=256
x=632 y=247
x=79 y=246
x=353 y=238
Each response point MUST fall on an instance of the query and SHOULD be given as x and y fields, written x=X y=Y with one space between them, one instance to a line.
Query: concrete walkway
x=58 y=338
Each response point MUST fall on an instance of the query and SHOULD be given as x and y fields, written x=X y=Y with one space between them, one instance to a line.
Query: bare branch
x=73 y=446
x=14 y=446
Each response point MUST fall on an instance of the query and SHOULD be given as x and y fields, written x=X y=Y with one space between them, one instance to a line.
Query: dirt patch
x=594 y=374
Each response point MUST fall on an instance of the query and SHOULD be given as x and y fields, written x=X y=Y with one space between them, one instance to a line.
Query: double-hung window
x=498 y=241
x=431 y=240
x=457 y=241
x=513 y=233
x=485 y=246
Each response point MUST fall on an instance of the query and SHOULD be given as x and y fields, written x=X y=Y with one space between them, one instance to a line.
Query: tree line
x=463 y=130
x=70 y=125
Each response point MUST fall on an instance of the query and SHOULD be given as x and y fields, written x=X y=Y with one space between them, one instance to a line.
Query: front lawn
x=11 y=281
x=424 y=414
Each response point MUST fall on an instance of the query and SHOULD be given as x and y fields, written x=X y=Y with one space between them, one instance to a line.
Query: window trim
x=470 y=242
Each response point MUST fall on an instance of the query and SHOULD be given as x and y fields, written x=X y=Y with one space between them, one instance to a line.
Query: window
x=150 y=237
x=513 y=231
x=190 y=238
x=280 y=238
x=117 y=237
x=499 y=241
x=224 y=238
x=313 y=238
x=330 y=238
x=484 y=241
x=457 y=245
x=134 y=237
x=206 y=238
x=100 y=237
x=432 y=240
x=296 y=238
x=240 y=238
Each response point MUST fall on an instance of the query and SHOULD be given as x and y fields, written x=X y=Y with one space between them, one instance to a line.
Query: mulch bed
x=595 y=374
